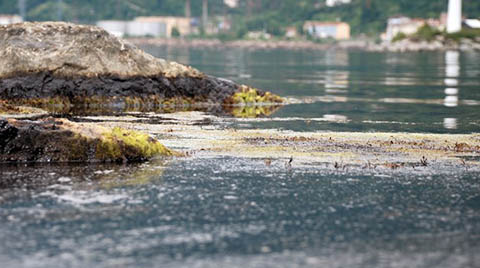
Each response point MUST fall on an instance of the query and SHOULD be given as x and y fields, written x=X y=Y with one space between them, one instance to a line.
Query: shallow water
x=238 y=212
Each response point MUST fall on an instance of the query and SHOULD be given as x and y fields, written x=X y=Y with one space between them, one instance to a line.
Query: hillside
x=364 y=16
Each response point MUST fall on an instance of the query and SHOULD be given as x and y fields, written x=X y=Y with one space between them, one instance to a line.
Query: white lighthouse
x=454 y=19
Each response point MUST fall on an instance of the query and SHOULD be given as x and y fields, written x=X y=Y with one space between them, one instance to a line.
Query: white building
x=331 y=3
x=146 y=28
x=409 y=26
x=403 y=25
x=472 y=23
x=231 y=3
x=117 y=28
x=134 y=28
x=320 y=29
x=9 y=19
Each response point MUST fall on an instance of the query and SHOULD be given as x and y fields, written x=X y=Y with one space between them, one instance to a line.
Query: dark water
x=236 y=212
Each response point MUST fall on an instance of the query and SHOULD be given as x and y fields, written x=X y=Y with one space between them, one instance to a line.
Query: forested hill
x=365 y=16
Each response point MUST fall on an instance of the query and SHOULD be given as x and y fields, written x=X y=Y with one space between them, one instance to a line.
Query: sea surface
x=239 y=212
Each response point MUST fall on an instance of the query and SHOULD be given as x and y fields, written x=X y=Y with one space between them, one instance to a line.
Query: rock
x=59 y=140
x=65 y=63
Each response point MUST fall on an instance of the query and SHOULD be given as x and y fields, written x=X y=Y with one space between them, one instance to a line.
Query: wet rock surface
x=59 y=140
x=339 y=151
x=46 y=85
x=64 y=65
x=56 y=62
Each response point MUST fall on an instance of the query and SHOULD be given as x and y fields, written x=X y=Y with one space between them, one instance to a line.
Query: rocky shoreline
x=364 y=45
x=51 y=140
x=57 y=65
x=60 y=63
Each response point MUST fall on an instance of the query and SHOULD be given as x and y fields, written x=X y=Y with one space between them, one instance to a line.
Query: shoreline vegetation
x=405 y=45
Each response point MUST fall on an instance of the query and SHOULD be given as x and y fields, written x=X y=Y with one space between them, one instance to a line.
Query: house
x=231 y=3
x=121 y=28
x=291 y=32
x=9 y=19
x=402 y=24
x=148 y=26
x=472 y=23
x=257 y=35
x=182 y=24
x=331 y=3
x=409 y=26
x=117 y=28
x=218 y=24
x=335 y=30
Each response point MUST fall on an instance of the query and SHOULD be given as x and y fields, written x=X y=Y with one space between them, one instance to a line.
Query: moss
x=120 y=145
x=253 y=111
x=78 y=148
x=248 y=95
x=250 y=103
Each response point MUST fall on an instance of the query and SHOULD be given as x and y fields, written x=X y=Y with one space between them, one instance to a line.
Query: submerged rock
x=65 y=63
x=59 y=140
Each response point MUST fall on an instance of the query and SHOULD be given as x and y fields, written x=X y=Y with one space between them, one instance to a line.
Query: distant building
x=9 y=19
x=231 y=3
x=182 y=24
x=409 y=26
x=121 y=28
x=218 y=24
x=291 y=32
x=331 y=3
x=335 y=30
x=472 y=23
x=147 y=26
x=259 y=35
x=117 y=28
x=133 y=28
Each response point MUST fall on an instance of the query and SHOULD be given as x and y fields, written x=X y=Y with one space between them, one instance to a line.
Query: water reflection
x=181 y=55
x=450 y=123
x=351 y=82
x=452 y=72
x=336 y=81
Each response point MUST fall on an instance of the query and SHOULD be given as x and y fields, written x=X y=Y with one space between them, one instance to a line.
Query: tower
x=454 y=19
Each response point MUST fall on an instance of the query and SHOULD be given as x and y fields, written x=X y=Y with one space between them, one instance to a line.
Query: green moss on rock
x=121 y=144
x=251 y=96
x=60 y=140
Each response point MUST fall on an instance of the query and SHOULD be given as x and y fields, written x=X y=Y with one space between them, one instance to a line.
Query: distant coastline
x=365 y=45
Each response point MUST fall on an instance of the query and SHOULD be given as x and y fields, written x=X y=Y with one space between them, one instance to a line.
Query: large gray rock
x=70 y=50
x=77 y=63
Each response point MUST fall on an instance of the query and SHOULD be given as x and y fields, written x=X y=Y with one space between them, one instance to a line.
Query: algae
x=121 y=145
x=250 y=102
x=59 y=140
x=249 y=111
x=251 y=96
